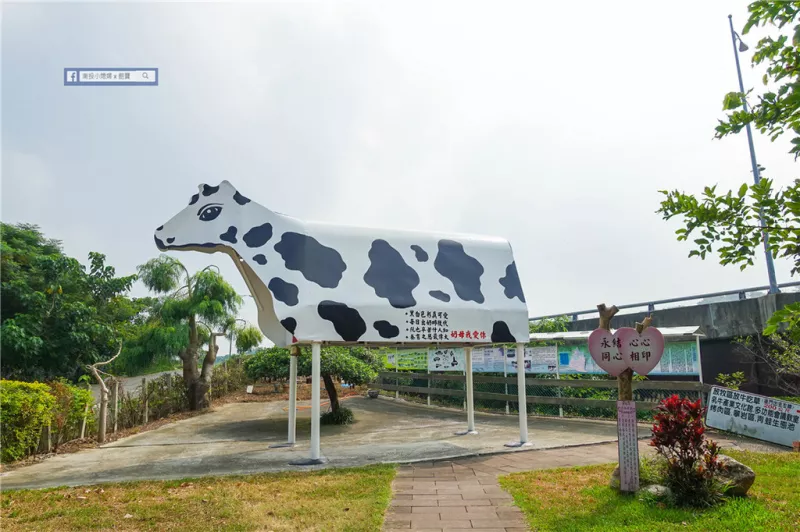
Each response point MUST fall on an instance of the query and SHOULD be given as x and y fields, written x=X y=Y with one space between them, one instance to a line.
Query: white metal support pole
x=505 y=374
x=699 y=368
x=429 y=386
x=699 y=360
x=292 y=399
x=558 y=377
x=292 y=428
x=316 y=456
x=470 y=397
x=522 y=398
x=316 y=349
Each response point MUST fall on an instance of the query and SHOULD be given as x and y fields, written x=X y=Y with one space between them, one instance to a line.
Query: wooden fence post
x=116 y=404
x=45 y=442
x=144 y=399
x=86 y=413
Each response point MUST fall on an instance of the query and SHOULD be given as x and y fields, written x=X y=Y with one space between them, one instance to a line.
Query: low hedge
x=25 y=408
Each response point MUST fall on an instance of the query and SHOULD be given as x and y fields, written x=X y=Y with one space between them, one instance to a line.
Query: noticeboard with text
x=756 y=416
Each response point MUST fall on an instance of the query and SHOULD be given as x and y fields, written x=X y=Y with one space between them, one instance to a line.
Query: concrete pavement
x=235 y=439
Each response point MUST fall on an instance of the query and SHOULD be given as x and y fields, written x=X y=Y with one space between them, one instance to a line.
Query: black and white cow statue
x=317 y=282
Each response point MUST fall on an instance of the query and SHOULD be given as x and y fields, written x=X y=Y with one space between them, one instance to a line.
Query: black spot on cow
x=318 y=264
x=207 y=190
x=229 y=235
x=347 y=322
x=258 y=235
x=462 y=270
x=283 y=291
x=159 y=228
x=194 y=199
x=421 y=254
x=501 y=334
x=261 y=259
x=390 y=276
x=238 y=198
x=441 y=296
x=386 y=329
x=511 y=285
x=170 y=240
x=290 y=324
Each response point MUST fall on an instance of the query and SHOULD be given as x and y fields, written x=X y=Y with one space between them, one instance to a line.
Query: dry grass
x=579 y=498
x=344 y=499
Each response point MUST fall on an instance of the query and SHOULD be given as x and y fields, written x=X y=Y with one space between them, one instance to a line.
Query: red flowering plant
x=692 y=461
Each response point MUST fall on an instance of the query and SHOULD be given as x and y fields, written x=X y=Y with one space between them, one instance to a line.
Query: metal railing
x=651 y=305
x=590 y=398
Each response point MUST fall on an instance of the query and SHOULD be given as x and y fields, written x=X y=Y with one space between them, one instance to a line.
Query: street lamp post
x=773 y=284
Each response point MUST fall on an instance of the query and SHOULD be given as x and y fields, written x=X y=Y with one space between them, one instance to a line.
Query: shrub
x=70 y=405
x=343 y=417
x=692 y=461
x=25 y=408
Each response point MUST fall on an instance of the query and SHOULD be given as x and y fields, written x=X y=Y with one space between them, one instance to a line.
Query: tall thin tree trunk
x=333 y=395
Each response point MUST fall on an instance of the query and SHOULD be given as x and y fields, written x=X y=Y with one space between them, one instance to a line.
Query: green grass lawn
x=579 y=499
x=334 y=499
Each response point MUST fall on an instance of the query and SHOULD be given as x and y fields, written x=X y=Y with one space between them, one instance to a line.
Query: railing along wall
x=389 y=381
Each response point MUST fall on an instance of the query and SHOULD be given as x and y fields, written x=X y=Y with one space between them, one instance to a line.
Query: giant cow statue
x=318 y=282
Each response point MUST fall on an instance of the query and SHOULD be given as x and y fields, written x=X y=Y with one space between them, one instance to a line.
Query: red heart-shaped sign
x=604 y=351
x=641 y=352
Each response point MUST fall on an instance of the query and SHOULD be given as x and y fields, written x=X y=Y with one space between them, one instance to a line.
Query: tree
x=190 y=298
x=57 y=317
x=730 y=223
x=247 y=337
x=354 y=365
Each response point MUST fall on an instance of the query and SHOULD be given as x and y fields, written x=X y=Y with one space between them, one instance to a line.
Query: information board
x=679 y=358
x=446 y=359
x=628 y=446
x=756 y=416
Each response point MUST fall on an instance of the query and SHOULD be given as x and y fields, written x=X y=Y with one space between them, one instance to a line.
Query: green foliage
x=25 y=408
x=247 y=338
x=775 y=111
x=57 y=316
x=354 y=365
x=731 y=380
x=781 y=354
x=70 y=405
x=549 y=325
x=729 y=223
x=270 y=363
x=343 y=416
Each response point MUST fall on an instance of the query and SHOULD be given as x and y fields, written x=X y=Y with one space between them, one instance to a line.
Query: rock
x=737 y=475
x=657 y=490
x=372 y=394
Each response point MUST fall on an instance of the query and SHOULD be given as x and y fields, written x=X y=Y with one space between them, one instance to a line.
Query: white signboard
x=543 y=359
x=446 y=359
x=756 y=416
x=628 y=446
x=487 y=360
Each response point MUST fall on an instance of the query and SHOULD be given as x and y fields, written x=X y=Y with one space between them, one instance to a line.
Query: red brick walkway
x=463 y=494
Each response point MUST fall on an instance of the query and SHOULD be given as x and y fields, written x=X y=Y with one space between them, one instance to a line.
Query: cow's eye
x=210 y=212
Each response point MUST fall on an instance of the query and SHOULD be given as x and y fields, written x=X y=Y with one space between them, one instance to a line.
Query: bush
x=229 y=377
x=70 y=406
x=343 y=417
x=25 y=408
x=692 y=461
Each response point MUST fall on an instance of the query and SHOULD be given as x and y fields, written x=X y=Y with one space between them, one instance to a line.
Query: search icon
x=144 y=75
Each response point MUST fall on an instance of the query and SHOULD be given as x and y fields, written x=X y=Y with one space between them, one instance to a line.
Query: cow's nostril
x=170 y=240
x=159 y=228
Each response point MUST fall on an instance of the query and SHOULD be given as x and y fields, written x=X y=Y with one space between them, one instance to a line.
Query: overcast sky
x=551 y=127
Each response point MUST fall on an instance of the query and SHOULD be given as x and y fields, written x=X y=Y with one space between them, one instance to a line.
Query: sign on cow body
x=756 y=416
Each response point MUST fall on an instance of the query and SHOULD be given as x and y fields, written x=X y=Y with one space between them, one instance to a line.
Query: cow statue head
x=207 y=223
